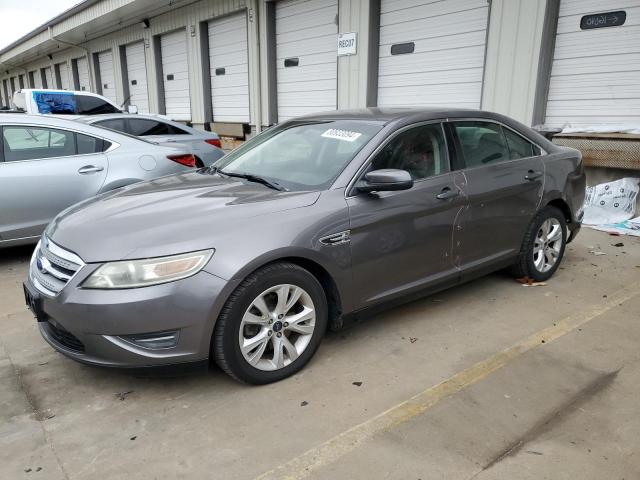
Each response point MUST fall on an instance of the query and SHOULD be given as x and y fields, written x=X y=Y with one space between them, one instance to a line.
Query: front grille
x=52 y=267
x=64 y=338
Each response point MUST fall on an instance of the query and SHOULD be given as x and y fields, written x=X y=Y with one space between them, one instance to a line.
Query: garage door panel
x=228 y=53
x=437 y=11
x=107 y=75
x=463 y=92
x=585 y=7
x=594 y=43
x=601 y=64
x=448 y=39
x=306 y=30
x=305 y=9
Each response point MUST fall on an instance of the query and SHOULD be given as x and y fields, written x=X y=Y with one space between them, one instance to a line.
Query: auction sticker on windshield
x=338 y=134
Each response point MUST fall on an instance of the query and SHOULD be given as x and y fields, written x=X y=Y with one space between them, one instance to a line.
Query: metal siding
x=446 y=66
x=107 y=75
x=595 y=75
x=173 y=48
x=228 y=50
x=137 y=72
x=306 y=29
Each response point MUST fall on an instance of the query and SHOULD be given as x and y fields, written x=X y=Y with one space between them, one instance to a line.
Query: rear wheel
x=543 y=246
x=271 y=325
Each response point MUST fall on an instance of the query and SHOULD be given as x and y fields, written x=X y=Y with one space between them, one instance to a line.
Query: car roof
x=387 y=115
x=59 y=90
x=109 y=116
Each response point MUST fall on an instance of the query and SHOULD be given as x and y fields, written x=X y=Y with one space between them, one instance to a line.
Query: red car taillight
x=187 y=159
x=215 y=142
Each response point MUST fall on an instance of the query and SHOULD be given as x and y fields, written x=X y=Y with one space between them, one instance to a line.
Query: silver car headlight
x=149 y=271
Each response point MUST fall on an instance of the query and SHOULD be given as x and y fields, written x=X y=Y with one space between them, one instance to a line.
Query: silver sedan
x=48 y=164
x=204 y=145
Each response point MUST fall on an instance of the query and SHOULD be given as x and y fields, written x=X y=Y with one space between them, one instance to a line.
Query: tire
x=529 y=263
x=271 y=288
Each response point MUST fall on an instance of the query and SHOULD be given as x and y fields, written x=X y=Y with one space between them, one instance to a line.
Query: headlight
x=150 y=271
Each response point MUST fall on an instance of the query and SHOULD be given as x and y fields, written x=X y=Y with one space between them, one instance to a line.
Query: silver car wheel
x=277 y=327
x=547 y=245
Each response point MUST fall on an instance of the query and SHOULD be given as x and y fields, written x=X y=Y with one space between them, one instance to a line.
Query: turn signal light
x=215 y=142
x=187 y=159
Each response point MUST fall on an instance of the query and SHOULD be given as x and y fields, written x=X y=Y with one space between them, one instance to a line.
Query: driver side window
x=421 y=151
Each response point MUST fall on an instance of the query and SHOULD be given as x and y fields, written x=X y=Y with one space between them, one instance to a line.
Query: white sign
x=337 y=134
x=347 y=44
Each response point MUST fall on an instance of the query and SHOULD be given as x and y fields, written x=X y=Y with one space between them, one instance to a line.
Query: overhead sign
x=602 y=20
x=347 y=44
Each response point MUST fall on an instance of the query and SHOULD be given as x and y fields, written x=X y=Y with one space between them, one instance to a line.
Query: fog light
x=153 y=341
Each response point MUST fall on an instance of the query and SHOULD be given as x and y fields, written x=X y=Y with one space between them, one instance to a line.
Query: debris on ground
x=122 y=395
x=43 y=363
x=357 y=384
x=596 y=253
x=134 y=437
x=533 y=452
x=413 y=339
x=304 y=403
x=529 y=282
x=619 y=244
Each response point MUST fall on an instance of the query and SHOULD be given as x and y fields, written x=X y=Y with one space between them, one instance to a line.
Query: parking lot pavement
x=489 y=380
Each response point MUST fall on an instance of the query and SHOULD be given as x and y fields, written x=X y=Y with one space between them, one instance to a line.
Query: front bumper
x=88 y=325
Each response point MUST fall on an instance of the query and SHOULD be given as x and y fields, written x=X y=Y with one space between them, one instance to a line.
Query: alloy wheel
x=547 y=245
x=277 y=327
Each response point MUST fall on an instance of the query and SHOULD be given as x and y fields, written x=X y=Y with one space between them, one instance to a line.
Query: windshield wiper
x=254 y=178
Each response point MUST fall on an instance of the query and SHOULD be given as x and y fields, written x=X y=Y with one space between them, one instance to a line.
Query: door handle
x=447 y=193
x=532 y=175
x=89 y=169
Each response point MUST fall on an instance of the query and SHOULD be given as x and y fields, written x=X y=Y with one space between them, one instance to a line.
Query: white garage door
x=175 y=75
x=228 y=60
x=307 y=66
x=107 y=75
x=83 y=73
x=65 y=81
x=432 y=52
x=137 y=76
x=595 y=75
x=37 y=79
x=48 y=75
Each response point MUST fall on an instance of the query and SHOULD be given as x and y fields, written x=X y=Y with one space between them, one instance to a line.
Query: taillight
x=215 y=142
x=187 y=159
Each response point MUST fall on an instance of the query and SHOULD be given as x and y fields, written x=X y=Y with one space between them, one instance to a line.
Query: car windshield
x=301 y=156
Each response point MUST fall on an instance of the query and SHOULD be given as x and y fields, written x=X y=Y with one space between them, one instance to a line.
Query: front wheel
x=543 y=246
x=271 y=325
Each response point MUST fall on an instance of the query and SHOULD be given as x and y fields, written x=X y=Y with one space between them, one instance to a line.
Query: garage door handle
x=532 y=175
x=447 y=193
x=89 y=169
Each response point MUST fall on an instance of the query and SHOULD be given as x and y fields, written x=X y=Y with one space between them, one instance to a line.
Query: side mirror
x=385 y=180
x=132 y=109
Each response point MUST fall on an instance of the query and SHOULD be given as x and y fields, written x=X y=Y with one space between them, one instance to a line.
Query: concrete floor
x=490 y=380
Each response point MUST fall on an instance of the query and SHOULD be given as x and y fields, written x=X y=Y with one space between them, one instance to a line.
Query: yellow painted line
x=347 y=441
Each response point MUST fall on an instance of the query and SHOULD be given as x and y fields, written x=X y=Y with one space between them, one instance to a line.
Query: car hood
x=165 y=216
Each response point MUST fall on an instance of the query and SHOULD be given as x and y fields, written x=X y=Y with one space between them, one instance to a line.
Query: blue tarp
x=58 y=102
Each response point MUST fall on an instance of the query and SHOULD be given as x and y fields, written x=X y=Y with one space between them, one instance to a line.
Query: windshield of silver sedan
x=302 y=156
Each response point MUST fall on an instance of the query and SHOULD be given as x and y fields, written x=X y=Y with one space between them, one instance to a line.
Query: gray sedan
x=205 y=145
x=312 y=224
x=48 y=164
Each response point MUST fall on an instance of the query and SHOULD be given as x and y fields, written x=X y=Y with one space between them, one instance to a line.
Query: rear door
x=402 y=241
x=504 y=174
x=45 y=170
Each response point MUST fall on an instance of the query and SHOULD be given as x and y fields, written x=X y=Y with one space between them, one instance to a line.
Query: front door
x=44 y=171
x=402 y=241
x=504 y=174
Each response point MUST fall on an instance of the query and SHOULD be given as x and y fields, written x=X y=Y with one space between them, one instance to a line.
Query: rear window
x=117 y=124
x=142 y=127
x=88 y=105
